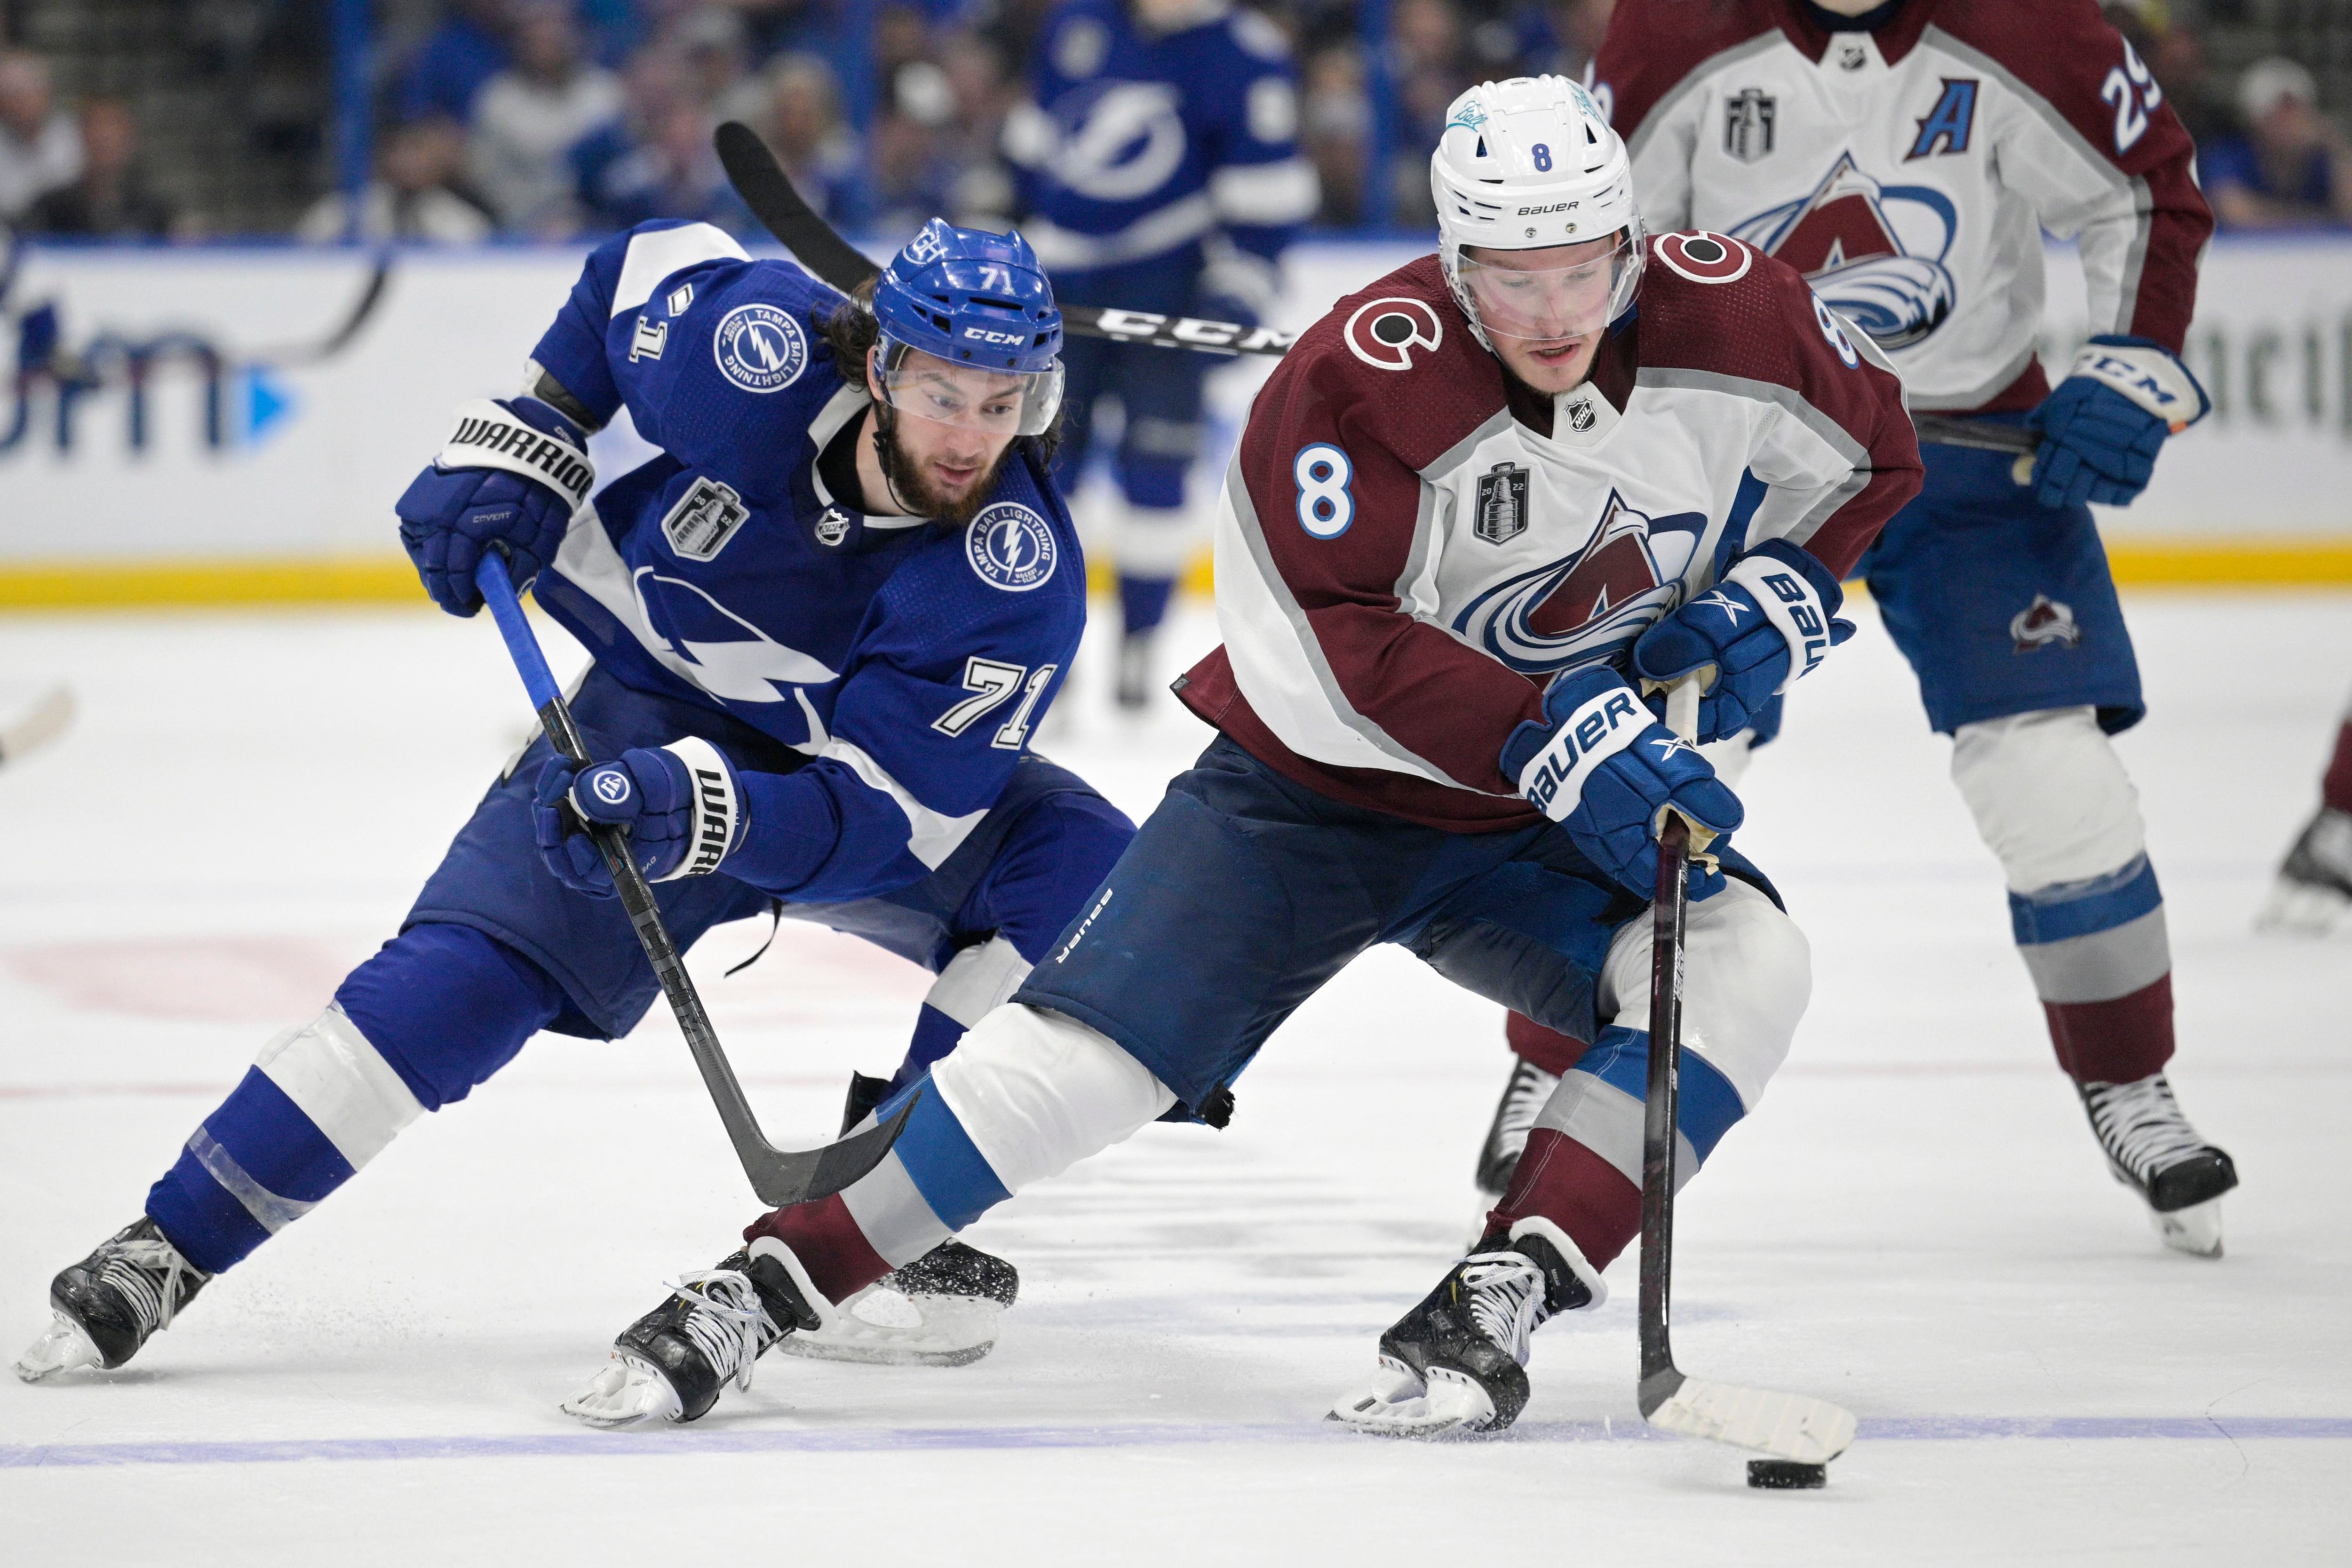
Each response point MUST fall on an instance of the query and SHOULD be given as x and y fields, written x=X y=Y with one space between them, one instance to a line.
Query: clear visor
x=1548 y=303
x=998 y=401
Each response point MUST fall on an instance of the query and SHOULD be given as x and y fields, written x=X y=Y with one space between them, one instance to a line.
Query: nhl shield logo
x=705 y=518
x=832 y=528
x=1502 y=504
x=1748 y=124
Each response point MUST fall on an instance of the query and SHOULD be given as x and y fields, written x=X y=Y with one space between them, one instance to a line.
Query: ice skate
x=2313 y=894
x=1515 y=1117
x=673 y=1364
x=111 y=1303
x=2152 y=1150
x=1457 y=1362
x=940 y=1310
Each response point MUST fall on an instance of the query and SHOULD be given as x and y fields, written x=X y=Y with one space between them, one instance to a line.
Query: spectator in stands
x=412 y=198
x=914 y=180
x=528 y=119
x=1335 y=129
x=673 y=173
x=448 y=70
x=40 y=147
x=111 y=199
x=982 y=193
x=804 y=129
x=715 y=56
x=1570 y=37
x=1431 y=66
x=2177 y=58
x=2291 y=168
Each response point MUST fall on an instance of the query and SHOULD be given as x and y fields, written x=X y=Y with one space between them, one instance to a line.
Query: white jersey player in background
x=1906 y=156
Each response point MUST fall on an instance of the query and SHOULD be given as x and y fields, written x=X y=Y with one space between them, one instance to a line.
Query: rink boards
x=228 y=474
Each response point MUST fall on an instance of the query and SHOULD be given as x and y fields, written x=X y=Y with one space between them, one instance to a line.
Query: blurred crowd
x=564 y=119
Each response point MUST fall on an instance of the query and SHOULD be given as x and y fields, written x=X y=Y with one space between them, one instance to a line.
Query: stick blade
x=769 y=192
x=1785 y=1425
x=783 y=1177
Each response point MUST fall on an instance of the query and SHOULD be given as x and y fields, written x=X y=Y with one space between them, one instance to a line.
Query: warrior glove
x=512 y=474
x=1767 y=622
x=2102 y=428
x=1601 y=767
x=680 y=805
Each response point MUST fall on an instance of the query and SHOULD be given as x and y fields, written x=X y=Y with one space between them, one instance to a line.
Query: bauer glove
x=1769 y=620
x=679 y=804
x=1601 y=767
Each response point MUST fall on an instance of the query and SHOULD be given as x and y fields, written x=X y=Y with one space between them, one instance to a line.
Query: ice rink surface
x=1915 y=1223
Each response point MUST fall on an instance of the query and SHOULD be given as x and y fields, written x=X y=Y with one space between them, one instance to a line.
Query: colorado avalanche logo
x=1592 y=604
x=1011 y=548
x=1705 y=257
x=1384 y=332
x=1875 y=252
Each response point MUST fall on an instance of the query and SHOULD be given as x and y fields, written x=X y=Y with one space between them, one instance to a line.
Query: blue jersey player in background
x=839 y=600
x=1159 y=172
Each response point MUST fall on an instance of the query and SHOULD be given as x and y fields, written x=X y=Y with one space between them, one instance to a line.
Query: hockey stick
x=780 y=1177
x=322 y=348
x=1789 y=1427
x=768 y=191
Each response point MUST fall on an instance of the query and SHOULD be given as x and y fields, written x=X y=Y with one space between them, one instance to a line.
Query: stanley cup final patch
x=1502 y=504
x=705 y=518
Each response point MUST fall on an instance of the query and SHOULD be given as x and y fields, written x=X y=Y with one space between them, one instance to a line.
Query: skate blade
x=2300 y=909
x=1785 y=1425
x=62 y=1347
x=946 y=1330
x=2195 y=1230
x=1397 y=1404
x=625 y=1391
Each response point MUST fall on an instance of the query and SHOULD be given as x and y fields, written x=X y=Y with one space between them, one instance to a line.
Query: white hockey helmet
x=1528 y=165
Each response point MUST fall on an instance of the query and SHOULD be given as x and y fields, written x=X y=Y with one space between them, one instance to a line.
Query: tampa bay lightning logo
x=760 y=348
x=1876 y=252
x=1118 y=140
x=1592 y=604
x=1010 y=547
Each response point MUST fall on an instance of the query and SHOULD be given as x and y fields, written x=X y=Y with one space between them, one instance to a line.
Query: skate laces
x=147 y=1275
x=2140 y=1125
x=726 y=1322
x=1506 y=1291
x=1524 y=1099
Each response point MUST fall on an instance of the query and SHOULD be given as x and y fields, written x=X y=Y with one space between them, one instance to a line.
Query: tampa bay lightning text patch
x=1010 y=547
x=760 y=348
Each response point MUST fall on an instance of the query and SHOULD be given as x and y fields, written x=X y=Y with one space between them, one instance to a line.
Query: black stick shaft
x=1658 y=1377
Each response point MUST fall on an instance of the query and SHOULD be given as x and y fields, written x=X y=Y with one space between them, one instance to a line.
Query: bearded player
x=825 y=621
x=1905 y=156
x=1466 y=503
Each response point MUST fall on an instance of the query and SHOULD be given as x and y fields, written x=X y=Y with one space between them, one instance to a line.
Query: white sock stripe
x=2103 y=965
x=1607 y=1121
x=898 y=1224
x=1036 y=1092
x=269 y=1211
x=337 y=1080
x=978 y=981
x=1570 y=1254
x=1791 y=605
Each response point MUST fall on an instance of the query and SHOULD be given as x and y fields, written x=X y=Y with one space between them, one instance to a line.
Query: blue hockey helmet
x=962 y=300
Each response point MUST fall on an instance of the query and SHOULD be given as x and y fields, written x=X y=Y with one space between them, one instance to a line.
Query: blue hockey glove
x=1600 y=766
x=512 y=474
x=1769 y=620
x=679 y=803
x=2102 y=428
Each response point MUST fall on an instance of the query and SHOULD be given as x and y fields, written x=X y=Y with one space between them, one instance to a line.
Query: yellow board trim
x=2207 y=562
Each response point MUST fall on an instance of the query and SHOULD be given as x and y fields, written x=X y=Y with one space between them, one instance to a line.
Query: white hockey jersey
x=1406 y=555
x=1908 y=172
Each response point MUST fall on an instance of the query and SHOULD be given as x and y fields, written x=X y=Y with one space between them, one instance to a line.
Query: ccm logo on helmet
x=984 y=335
x=1383 y=333
x=1705 y=257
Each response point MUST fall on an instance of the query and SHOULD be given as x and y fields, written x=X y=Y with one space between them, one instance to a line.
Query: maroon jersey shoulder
x=1710 y=302
x=2069 y=55
x=1652 y=44
x=1398 y=364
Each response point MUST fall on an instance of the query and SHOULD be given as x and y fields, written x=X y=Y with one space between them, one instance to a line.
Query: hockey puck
x=1786 y=1475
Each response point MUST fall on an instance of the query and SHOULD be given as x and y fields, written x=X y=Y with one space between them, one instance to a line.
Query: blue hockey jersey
x=908 y=660
x=1138 y=145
